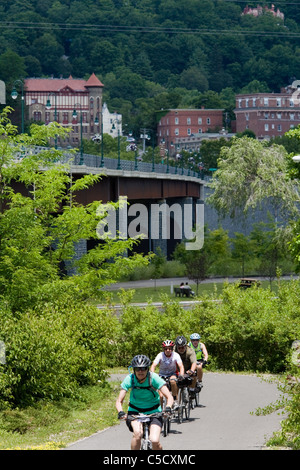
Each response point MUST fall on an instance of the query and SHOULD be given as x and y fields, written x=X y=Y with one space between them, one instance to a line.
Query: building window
x=266 y=101
x=266 y=127
x=199 y=120
x=278 y=101
x=254 y=102
x=292 y=117
x=188 y=121
x=279 y=127
x=176 y=131
x=207 y=120
x=176 y=120
x=199 y=130
x=247 y=102
x=189 y=131
x=291 y=103
x=37 y=116
x=278 y=115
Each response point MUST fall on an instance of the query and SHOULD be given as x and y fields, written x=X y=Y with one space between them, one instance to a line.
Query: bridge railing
x=95 y=161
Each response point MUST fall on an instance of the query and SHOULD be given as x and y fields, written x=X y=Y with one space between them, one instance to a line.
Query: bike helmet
x=195 y=336
x=168 y=343
x=180 y=341
x=140 y=361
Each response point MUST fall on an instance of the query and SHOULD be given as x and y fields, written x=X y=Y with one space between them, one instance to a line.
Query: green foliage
x=247 y=330
x=55 y=342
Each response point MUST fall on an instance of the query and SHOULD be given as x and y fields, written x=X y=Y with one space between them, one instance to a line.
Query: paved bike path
x=223 y=422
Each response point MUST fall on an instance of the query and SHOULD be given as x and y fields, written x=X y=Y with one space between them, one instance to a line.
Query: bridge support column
x=80 y=250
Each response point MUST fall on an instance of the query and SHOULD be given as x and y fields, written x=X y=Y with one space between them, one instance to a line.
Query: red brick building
x=267 y=114
x=179 y=123
x=65 y=95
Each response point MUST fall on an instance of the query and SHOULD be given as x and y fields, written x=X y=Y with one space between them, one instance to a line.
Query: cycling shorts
x=154 y=420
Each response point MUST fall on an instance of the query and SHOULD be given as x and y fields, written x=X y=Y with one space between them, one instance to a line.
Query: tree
x=40 y=226
x=249 y=173
x=242 y=250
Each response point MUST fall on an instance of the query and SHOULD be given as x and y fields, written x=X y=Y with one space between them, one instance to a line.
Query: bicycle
x=166 y=417
x=184 y=405
x=195 y=396
x=146 y=443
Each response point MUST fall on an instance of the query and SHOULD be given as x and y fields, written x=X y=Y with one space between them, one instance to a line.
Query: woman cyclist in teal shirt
x=144 y=398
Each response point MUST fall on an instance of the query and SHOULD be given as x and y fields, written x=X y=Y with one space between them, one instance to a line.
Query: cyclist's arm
x=204 y=350
x=166 y=393
x=120 y=400
x=153 y=366
x=181 y=368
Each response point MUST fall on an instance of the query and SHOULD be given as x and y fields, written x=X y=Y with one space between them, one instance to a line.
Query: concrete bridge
x=146 y=186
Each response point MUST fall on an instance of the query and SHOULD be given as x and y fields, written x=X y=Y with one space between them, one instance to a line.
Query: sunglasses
x=168 y=348
x=141 y=368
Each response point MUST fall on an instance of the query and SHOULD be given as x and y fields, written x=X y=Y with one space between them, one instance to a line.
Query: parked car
x=248 y=282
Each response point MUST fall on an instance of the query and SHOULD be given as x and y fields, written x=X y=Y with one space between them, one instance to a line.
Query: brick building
x=267 y=114
x=65 y=95
x=179 y=123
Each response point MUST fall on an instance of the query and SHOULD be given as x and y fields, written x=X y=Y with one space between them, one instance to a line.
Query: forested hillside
x=153 y=54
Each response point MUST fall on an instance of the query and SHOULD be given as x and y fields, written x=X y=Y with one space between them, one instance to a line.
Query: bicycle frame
x=146 y=443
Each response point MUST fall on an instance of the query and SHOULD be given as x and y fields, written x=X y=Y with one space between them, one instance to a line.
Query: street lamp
x=117 y=121
x=48 y=106
x=102 y=153
x=74 y=115
x=14 y=95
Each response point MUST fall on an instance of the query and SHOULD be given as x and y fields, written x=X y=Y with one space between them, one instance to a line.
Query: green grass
x=144 y=294
x=53 y=425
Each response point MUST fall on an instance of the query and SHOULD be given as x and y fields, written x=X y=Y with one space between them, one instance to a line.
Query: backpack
x=148 y=387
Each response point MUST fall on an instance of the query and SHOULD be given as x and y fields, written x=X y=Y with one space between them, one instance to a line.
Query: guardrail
x=95 y=161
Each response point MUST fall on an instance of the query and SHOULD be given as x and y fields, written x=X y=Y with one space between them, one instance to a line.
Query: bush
x=247 y=330
x=52 y=352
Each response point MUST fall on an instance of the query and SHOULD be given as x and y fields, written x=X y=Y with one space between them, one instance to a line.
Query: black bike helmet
x=140 y=361
x=180 y=341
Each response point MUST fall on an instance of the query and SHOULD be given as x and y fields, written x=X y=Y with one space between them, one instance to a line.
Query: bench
x=183 y=292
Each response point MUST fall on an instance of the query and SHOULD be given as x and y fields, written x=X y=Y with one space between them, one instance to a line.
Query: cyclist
x=201 y=355
x=169 y=361
x=144 y=398
x=188 y=357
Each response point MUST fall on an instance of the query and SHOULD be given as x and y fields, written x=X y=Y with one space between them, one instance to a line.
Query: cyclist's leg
x=174 y=387
x=137 y=428
x=155 y=431
x=199 y=372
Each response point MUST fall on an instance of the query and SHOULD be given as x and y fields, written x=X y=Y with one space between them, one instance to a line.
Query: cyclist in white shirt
x=170 y=364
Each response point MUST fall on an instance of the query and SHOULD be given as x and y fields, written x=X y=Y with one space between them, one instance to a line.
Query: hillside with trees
x=152 y=54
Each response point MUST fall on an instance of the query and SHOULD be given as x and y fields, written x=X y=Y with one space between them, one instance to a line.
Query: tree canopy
x=141 y=50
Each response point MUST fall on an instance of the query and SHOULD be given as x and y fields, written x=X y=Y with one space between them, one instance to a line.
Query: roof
x=58 y=84
x=93 y=81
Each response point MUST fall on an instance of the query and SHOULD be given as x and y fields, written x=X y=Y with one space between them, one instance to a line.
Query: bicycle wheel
x=180 y=407
x=146 y=444
x=187 y=410
x=165 y=426
x=197 y=399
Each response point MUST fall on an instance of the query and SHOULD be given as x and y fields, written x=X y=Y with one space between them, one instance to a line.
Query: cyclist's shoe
x=192 y=392
x=199 y=386
x=175 y=405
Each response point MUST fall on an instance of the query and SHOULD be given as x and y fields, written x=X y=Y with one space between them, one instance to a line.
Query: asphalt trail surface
x=222 y=422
